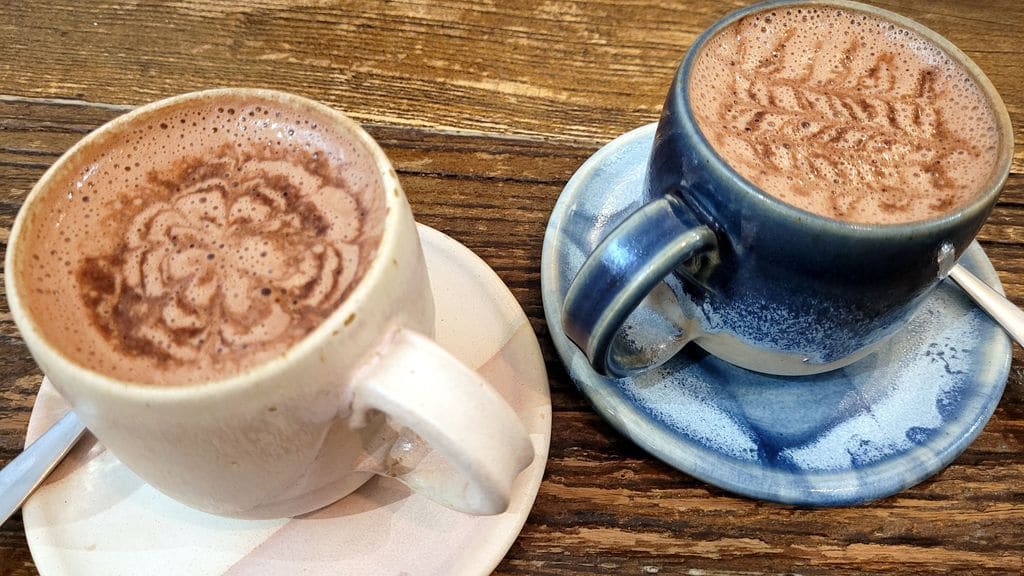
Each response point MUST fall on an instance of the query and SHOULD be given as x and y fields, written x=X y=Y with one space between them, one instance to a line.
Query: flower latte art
x=231 y=256
x=199 y=241
x=844 y=114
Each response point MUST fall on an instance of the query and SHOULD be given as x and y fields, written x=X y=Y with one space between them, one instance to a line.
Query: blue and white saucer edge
x=852 y=435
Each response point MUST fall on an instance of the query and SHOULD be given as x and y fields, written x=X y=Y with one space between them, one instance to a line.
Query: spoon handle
x=1006 y=313
x=23 y=474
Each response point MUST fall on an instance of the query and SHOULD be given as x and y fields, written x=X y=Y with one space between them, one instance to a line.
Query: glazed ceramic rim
x=267 y=370
x=977 y=208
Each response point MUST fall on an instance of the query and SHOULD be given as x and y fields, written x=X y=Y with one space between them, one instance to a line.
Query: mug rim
x=978 y=207
x=269 y=368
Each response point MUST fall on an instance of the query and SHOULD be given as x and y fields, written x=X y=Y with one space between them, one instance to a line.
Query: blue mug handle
x=624 y=268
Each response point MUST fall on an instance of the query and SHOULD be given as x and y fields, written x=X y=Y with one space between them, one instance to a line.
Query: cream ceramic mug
x=366 y=391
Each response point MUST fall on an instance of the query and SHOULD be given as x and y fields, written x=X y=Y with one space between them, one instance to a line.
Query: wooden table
x=486 y=110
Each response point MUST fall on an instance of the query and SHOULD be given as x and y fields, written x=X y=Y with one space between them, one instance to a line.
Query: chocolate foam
x=845 y=114
x=201 y=240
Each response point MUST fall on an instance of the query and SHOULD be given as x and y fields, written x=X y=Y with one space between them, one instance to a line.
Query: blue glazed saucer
x=851 y=435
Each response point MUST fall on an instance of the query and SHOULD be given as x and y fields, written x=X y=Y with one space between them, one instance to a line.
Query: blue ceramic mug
x=712 y=259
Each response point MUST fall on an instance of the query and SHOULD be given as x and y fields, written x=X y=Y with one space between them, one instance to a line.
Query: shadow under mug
x=709 y=258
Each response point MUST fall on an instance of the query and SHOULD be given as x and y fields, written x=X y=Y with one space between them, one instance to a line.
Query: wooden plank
x=486 y=109
x=562 y=70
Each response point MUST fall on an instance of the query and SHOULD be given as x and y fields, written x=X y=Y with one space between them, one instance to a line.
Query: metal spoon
x=23 y=475
x=1006 y=313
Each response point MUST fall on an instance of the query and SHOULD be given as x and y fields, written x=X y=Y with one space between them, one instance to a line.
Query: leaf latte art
x=845 y=115
x=231 y=255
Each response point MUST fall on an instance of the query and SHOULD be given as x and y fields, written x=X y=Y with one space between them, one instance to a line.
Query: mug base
x=730 y=349
x=304 y=504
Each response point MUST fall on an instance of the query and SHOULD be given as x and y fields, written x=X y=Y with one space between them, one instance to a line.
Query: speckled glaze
x=782 y=291
x=850 y=435
x=94 y=517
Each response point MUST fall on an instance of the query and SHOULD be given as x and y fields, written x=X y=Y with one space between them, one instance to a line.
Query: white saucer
x=95 y=517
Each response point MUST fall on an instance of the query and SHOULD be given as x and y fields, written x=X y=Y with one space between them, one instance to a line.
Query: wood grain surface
x=486 y=110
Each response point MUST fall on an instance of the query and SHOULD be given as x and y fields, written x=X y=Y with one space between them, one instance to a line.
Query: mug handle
x=624 y=268
x=462 y=418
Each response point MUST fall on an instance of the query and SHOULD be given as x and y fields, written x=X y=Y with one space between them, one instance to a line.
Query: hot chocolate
x=845 y=114
x=199 y=240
